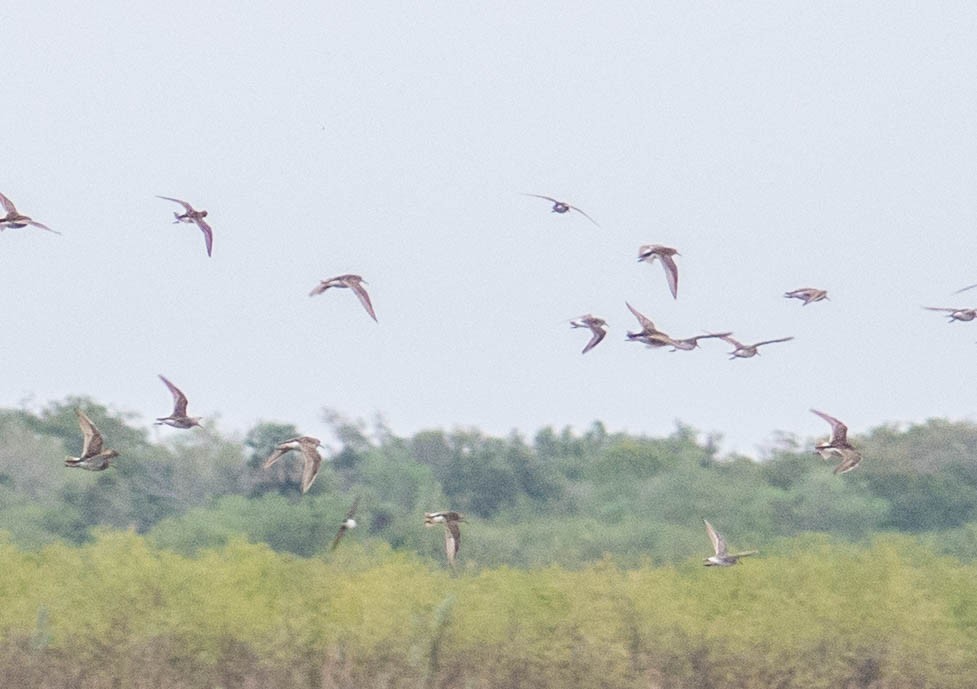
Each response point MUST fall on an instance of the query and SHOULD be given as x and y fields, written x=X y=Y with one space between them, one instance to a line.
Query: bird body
x=744 y=351
x=722 y=558
x=348 y=281
x=309 y=447
x=597 y=328
x=649 y=252
x=191 y=215
x=955 y=314
x=807 y=295
x=562 y=207
x=837 y=445
x=347 y=524
x=93 y=457
x=178 y=418
x=452 y=534
x=15 y=219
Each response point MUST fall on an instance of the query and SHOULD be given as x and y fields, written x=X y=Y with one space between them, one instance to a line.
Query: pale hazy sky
x=776 y=145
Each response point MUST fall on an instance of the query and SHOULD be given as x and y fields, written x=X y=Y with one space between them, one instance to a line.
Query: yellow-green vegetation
x=816 y=612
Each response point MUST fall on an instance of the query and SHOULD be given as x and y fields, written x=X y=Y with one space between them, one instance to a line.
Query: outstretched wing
x=718 y=542
x=42 y=226
x=584 y=215
x=279 y=452
x=779 y=339
x=540 y=196
x=357 y=287
x=179 y=399
x=849 y=460
x=647 y=326
x=92 y=444
x=186 y=206
x=8 y=205
x=839 y=431
x=208 y=234
x=311 y=468
x=671 y=274
x=452 y=540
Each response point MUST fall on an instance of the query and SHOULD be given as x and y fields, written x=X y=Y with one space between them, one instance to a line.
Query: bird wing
x=939 y=308
x=718 y=542
x=179 y=399
x=671 y=274
x=42 y=226
x=643 y=320
x=92 y=444
x=585 y=215
x=185 y=205
x=839 y=431
x=311 y=468
x=598 y=335
x=352 y=510
x=357 y=287
x=962 y=289
x=849 y=460
x=779 y=339
x=8 y=205
x=339 y=536
x=279 y=452
x=540 y=196
x=452 y=540
x=208 y=234
x=731 y=340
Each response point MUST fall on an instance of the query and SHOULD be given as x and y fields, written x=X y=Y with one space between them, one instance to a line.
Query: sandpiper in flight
x=838 y=445
x=310 y=453
x=649 y=252
x=353 y=282
x=347 y=523
x=743 y=351
x=955 y=314
x=194 y=216
x=14 y=219
x=178 y=418
x=649 y=333
x=452 y=534
x=93 y=457
x=562 y=207
x=597 y=328
x=807 y=295
x=721 y=558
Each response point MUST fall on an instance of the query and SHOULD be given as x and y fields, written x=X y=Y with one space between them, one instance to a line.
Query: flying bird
x=838 y=445
x=347 y=523
x=563 y=207
x=452 y=534
x=649 y=252
x=597 y=328
x=743 y=351
x=955 y=314
x=194 y=216
x=353 y=282
x=807 y=295
x=178 y=418
x=690 y=343
x=649 y=333
x=722 y=558
x=93 y=457
x=14 y=219
x=310 y=453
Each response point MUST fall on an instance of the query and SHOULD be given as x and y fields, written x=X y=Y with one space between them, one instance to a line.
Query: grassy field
x=119 y=612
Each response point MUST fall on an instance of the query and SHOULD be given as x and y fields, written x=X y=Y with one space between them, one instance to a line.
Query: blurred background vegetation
x=187 y=565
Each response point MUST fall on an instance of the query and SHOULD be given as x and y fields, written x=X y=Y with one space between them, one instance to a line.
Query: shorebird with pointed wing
x=744 y=351
x=562 y=207
x=955 y=314
x=598 y=329
x=192 y=215
x=178 y=417
x=722 y=558
x=649 y=252
x=309 y=447
x=807 y=294
x=452 y=534
x=93 y=457
x=837 y=445
x=15 y=219
x=353 y=282
x=649 y=334
x=347 y=524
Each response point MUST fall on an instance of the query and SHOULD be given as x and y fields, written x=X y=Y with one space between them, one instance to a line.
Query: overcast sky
x=776 y=145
